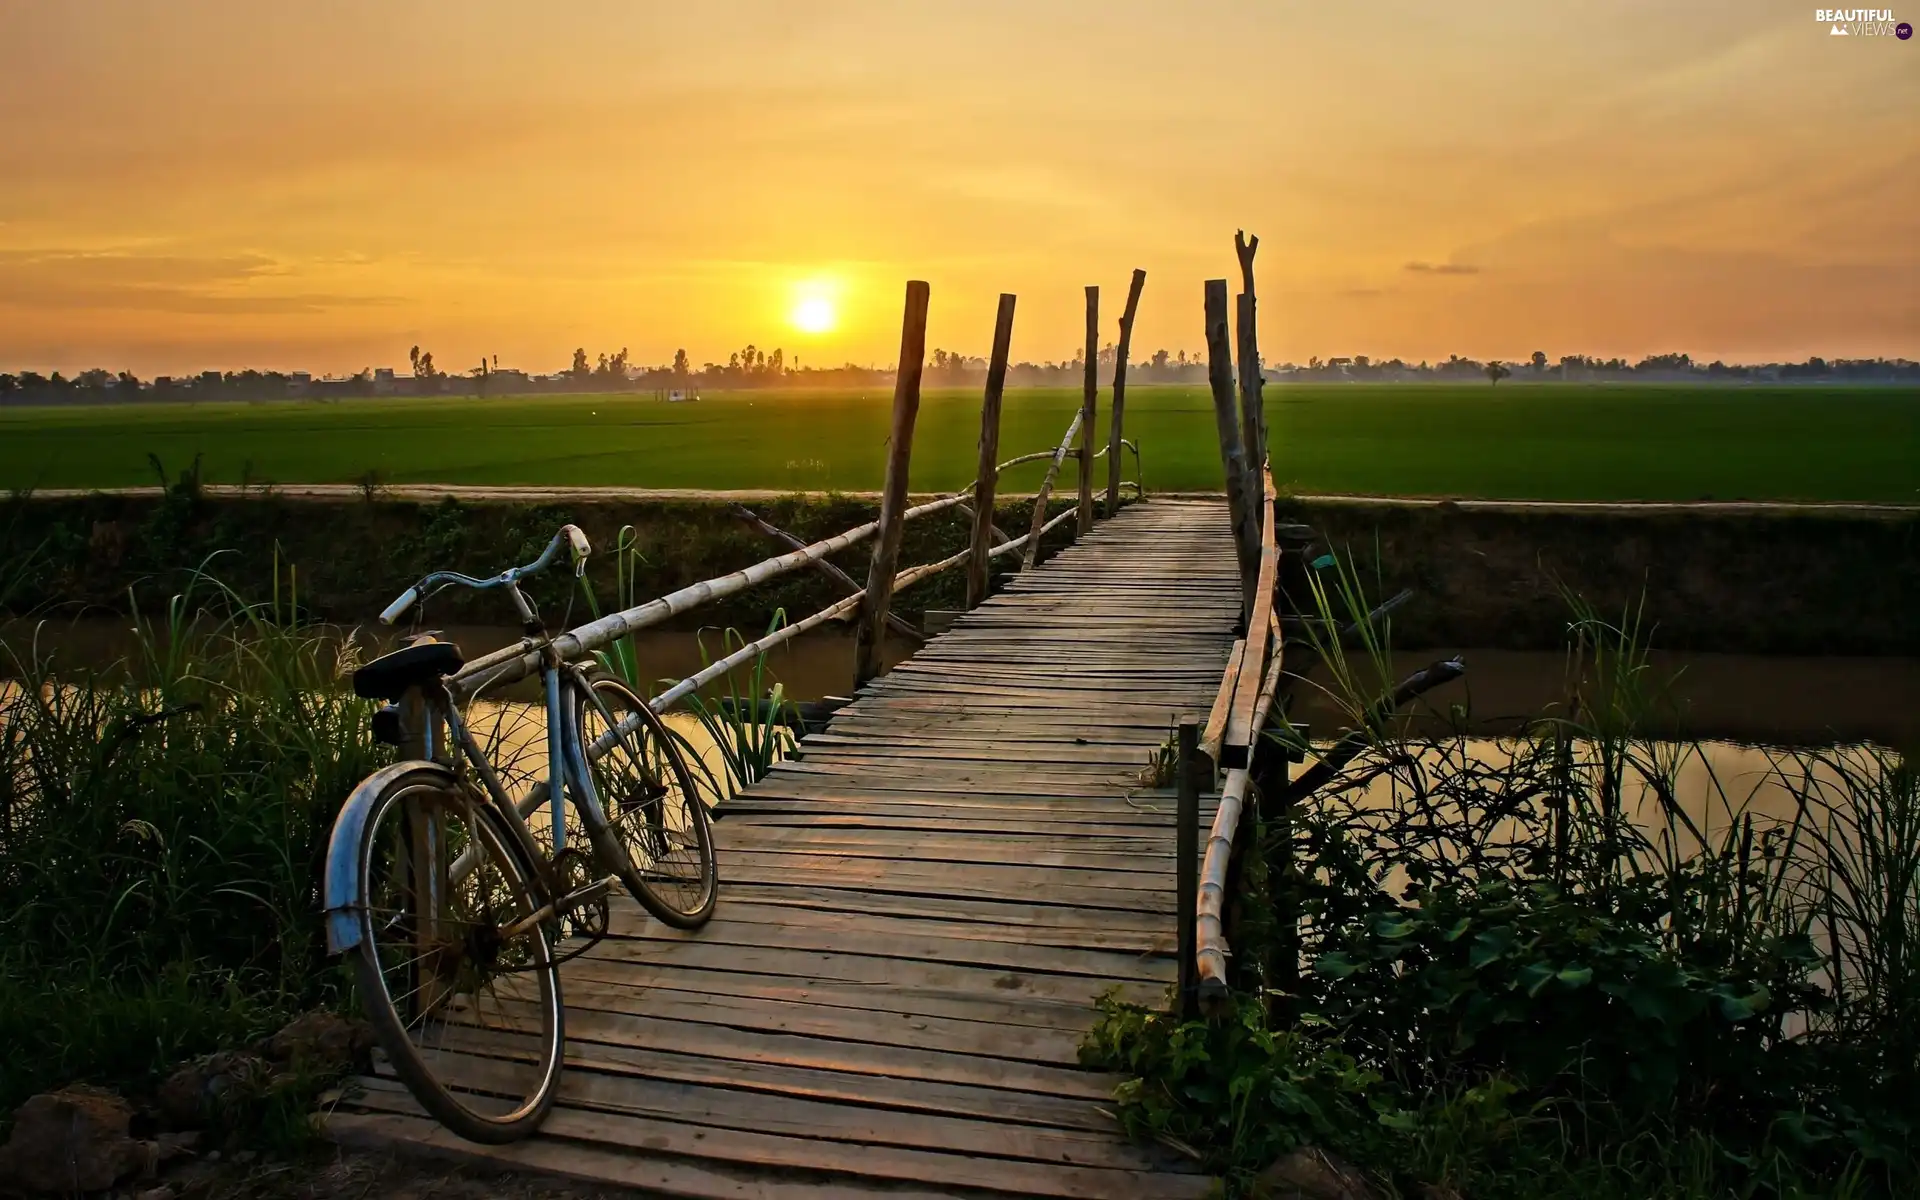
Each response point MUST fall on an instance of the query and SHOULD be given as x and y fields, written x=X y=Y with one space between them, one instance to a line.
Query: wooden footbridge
x=917 y=914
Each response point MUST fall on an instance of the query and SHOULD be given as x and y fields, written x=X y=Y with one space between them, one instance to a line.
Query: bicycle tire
x=646 y=820
x=503 y=1094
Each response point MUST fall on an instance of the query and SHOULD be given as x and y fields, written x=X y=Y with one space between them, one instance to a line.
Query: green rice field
x=1546 y=442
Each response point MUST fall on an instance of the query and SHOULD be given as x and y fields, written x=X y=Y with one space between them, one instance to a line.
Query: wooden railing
x=870 y=603
x=1231 y=741
x=1245 y=700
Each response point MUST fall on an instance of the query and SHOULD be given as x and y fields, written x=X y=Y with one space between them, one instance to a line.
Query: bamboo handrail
x=1210 y=937
x=521 y=659
x=747 y=653
x=1242 y=707
x=1046 y=490
x=847 y=583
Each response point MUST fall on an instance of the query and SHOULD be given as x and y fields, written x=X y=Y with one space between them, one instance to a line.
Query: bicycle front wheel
x=647 y=823
x=456 y=966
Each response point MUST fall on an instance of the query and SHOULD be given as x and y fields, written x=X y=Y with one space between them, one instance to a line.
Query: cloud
x=1421 y=268
x=166 y=283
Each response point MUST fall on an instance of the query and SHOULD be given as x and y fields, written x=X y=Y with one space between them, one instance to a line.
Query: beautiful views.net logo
x=1863 y=22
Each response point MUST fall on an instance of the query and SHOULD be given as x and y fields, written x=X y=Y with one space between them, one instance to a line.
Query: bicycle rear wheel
x=648 y=824
x=456 y=973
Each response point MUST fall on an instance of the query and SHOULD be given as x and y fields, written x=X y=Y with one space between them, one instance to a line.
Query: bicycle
x=458 y=918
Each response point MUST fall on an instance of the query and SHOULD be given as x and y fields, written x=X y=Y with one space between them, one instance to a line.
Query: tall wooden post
x=1120 y=389
x=1089 y=399
x=893 y=499
x=1186 y=868
x=1233 y=458
x=988 y=476
x=1253 y=413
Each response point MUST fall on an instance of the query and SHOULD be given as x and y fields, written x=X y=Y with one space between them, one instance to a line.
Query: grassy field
x=1567 y=442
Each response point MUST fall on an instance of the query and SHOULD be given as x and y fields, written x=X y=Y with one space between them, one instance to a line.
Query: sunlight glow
x=814 y=314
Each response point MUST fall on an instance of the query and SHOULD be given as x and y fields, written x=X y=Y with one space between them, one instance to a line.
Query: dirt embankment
x=1765 y=580
x=1757 y=581
x=346 y=558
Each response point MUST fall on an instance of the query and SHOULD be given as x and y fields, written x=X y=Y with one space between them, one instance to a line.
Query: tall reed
x=163 y=821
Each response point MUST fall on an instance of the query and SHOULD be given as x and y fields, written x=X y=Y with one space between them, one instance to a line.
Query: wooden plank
x=873 y=1091
x=799 y=1116
x=979 y=974
x=653 y=1174
x=783 y=1153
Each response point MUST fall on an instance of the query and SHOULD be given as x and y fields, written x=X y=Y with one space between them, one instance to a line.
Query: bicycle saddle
x=389 y=676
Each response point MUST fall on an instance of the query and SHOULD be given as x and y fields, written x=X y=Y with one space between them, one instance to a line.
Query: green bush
x=1530 y=965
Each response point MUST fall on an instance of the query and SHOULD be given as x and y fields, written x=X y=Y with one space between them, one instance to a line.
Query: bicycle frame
x=567 y=772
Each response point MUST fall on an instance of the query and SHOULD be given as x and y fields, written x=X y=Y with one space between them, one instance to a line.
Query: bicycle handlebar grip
x=581 y=548
x=400 y=606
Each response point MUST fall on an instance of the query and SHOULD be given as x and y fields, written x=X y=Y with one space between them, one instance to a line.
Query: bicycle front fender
x=340 y=889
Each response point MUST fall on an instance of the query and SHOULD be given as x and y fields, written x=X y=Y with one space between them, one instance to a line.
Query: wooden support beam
x=848 y=583
x=1120 y=389
x=988 y=477
x=1089 y=401
x=1186 y=853
x=1233 y=457
x=893 y=499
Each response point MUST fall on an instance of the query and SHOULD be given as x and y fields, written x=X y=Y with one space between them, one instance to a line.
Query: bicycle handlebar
x=569 y=536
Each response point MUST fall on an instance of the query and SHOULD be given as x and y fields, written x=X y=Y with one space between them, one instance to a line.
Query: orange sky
x=195 y=184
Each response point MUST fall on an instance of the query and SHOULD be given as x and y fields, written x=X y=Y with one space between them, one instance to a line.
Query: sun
x=813 y=314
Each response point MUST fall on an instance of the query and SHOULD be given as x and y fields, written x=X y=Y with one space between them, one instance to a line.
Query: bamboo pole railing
x=1242 y=706
x=1046 y=491
x=523 y=658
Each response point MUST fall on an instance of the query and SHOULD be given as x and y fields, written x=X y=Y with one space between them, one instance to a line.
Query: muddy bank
x=1780 y=581
x=1805 y=582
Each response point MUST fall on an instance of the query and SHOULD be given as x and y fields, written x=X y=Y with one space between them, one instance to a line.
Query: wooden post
x=1249 y=364
x=1120 y=389
x=1090 y=397
x=1253 y=413
x=1233 y=459
x=893 y=499
x=987 y=477
x=1186 y=872
x=1270 y=780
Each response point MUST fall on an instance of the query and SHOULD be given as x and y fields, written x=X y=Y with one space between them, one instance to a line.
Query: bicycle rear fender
x=340 y=894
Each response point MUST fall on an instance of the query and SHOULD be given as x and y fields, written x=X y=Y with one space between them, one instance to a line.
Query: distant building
x=209 y=379
x=299 y=383
x=383 y=382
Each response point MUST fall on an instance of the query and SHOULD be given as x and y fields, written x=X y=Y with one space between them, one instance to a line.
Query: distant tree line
x=751 y=366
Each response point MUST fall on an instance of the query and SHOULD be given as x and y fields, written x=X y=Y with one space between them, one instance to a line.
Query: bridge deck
x=914 y=918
